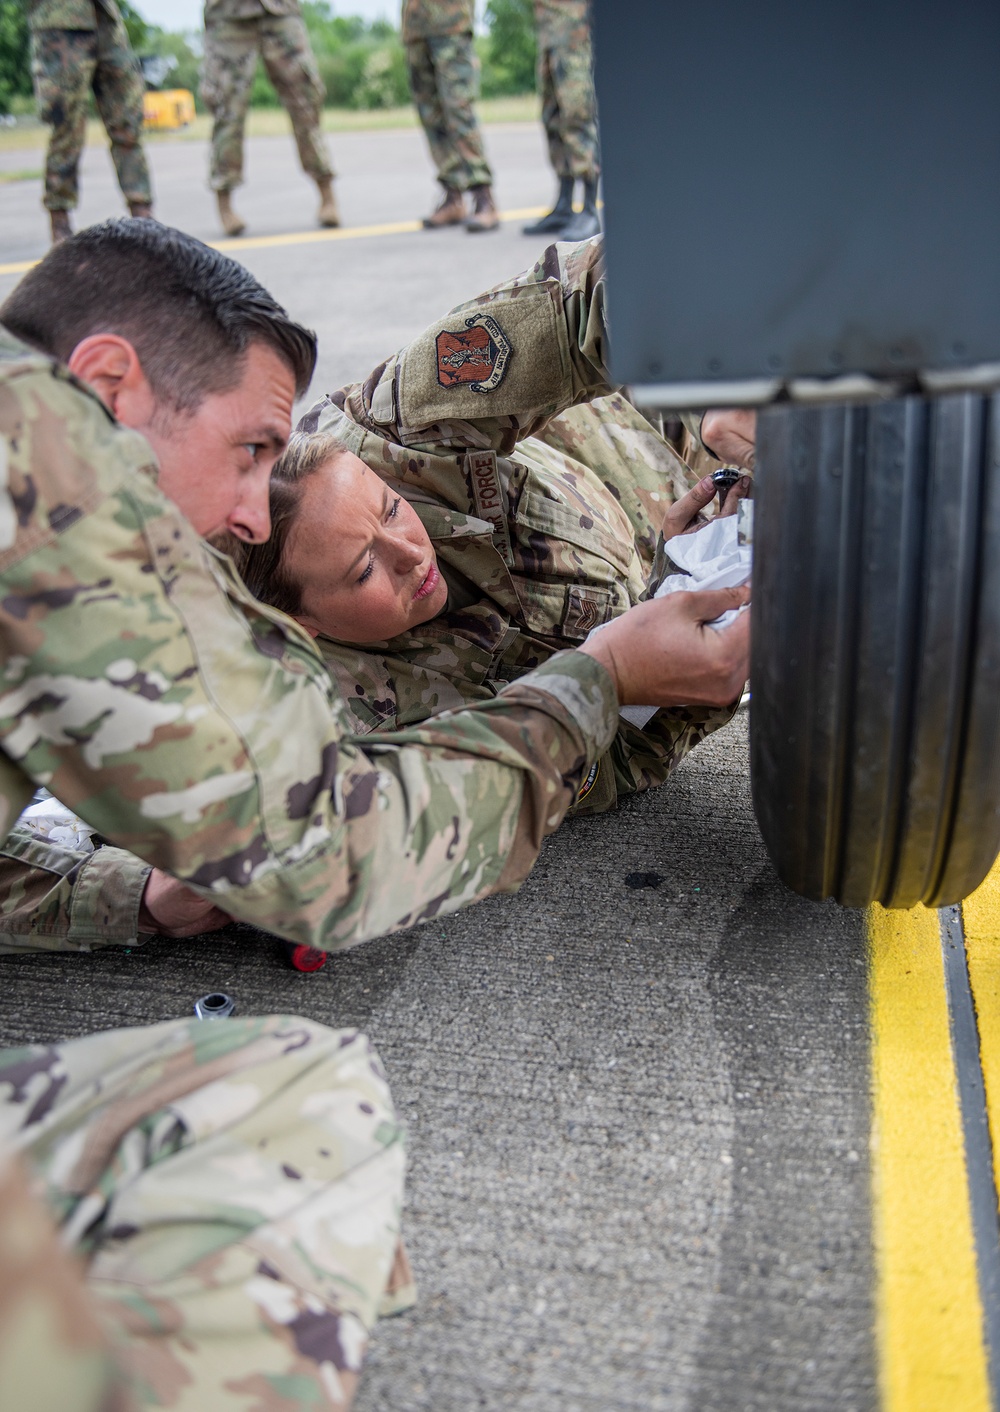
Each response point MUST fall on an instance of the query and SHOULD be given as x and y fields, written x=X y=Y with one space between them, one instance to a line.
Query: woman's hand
x=685 y=515
x=664 y=653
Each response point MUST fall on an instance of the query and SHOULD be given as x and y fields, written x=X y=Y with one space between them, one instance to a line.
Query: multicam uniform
x=145 y=687
x=79 y=47
x=444 y=76
x=544 y=518
x=230 y=1191
x=566 y=86
x=582 y=504
x=236 y=31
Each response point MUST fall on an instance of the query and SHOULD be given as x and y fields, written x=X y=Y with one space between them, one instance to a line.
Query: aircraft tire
x=875 y=676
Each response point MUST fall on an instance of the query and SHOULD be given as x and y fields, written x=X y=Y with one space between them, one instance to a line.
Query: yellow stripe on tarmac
x=932 y=1356
x=309 y=237
x=981 y=917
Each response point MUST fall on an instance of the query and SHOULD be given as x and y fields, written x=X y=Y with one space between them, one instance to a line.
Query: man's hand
x=730 y=433
x=171 y=909
x=662 y=653
x=684 y=516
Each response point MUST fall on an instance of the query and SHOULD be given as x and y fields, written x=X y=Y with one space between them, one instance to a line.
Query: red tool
x=306 y=958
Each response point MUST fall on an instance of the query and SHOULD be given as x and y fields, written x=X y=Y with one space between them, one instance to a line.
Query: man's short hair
x=189 y=312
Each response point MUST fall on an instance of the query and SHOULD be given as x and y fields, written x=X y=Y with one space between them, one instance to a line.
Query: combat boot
x=586 y=222
x=140 y=210
x=232 y=224
x=61 y=228
x=485 y=215
x=451 y=211
x=560 y=215
x=329 y=215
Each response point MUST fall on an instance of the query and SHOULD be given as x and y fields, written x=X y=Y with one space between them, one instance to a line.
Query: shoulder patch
x=476 y=356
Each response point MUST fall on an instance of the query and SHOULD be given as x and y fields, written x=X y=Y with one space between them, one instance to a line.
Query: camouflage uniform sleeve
x=217 y=1292
x=692 y=424
x=497 y=369
x=201 y=730
x=53 y=1351
x=53 y=897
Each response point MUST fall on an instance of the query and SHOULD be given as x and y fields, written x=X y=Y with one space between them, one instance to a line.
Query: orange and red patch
x=475 y=357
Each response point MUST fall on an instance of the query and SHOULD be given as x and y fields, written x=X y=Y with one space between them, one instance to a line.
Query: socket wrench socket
x=724 y=481
x=215 y=1006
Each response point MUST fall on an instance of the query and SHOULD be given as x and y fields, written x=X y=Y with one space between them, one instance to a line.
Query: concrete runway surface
x=640 y=1092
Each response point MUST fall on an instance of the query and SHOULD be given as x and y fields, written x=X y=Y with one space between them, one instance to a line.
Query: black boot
x=561 y=212
x=586 y=222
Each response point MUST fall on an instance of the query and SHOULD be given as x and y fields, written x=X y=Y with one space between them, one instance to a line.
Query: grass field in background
x=22 y=174
x=272 y=122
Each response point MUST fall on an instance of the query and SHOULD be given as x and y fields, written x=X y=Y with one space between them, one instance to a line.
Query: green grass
x=272 y=122
x=24 y=174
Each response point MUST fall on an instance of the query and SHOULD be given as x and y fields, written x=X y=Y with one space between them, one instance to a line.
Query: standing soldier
x=569 y=112
x=79 y=46
x=236 y=31
x=443 y=79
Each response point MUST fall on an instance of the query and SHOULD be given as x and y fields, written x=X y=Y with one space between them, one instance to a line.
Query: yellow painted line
x=309 y=237
x=932 y=1355
x=18 y=267
x=314 y=237
x=981 y=918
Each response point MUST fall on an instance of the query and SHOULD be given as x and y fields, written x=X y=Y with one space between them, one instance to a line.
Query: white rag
x=714 y=556
x=47 y=818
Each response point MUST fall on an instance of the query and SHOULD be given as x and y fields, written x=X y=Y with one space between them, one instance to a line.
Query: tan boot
x=328 y=212
x=232 y=224
x=140 y=210
x=485 y=215
x=61 y=228
x=451 y=211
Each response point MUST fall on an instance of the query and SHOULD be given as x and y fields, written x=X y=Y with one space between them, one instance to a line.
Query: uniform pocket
x=564 y=524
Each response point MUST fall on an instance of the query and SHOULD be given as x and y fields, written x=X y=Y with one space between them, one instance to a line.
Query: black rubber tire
x=875 y=675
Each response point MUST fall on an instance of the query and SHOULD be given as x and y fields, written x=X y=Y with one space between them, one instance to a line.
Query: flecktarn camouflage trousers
x=231 y=49
x=444 y=80
x=569 y=105
x=234 y=1188
x=66 y=65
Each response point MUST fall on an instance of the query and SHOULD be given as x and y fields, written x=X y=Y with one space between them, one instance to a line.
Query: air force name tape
x=489 y=498
x=475 y=357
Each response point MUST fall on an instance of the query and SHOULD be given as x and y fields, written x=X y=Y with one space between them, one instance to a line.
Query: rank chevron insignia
x=475 y=357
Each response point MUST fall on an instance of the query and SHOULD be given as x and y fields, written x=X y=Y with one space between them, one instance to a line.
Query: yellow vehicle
x=169 y=110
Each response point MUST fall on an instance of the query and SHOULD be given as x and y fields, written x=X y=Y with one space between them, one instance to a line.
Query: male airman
x=569 y=112
x=444 y=72
x=236 y=32
x=79 y=47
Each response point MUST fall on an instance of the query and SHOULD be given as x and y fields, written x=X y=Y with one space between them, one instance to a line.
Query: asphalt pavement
x=364 y=296
x=639 y=1092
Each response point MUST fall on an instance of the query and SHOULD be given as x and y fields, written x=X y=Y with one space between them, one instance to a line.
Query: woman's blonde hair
x=262 y=566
